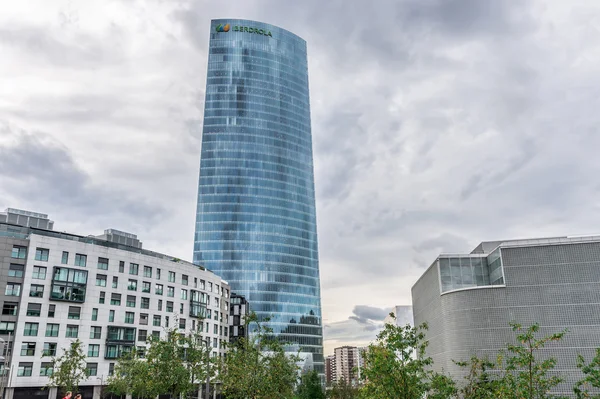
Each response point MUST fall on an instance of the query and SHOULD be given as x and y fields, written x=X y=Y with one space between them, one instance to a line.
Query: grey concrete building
x=468 y=300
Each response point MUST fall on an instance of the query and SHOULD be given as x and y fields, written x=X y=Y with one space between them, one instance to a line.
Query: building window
x=39 y=273
x=147 y=271
x=115 y=299
x=102 y=297
x=12 y=289
x=74 y=312
x=184 y=294
x=121 y=267
x=51 y=310
x=130 y=301
x=49 y=349
x=15 y=270
x=216 y=315
x=7 y=327
x=155 y=334
x=171 y=292
x=18 y=252
x=31 y=329
x=166 y=321
x=158 y=274
x=34 y=309
x=101 y=280
x=52 y=330
x=171 y=277
x=103 y=263
x=145 y=303
x=68 y=284
x=133 y=268
x=92 y=369
x=158 y=289
x=10 y=308
x=132 y=285
x=94 y=314
x=210 y=286
x=146 y=286
x=42 y=254
x=93 y=350
x=46 y=369
x=36 y=291
x=72 y=331
x=28 y=349
x=111 y=316
x=129 y=317
x=159 y=304
x=80 y=260
x=111 y=368
x=95 y=332
x=156 y=321
x=141 y=352
x=215 y=329
x=115 y=282
x=143 y=334
x=202 y=284
x=24 y=369
x=144 y=319
x=215 y=343
x=169 y=306
x=181 y=308
x=65 y=258
x=184 y=279
x=182 y=324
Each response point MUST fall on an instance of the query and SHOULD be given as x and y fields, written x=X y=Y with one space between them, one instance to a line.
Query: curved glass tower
x=256 y=220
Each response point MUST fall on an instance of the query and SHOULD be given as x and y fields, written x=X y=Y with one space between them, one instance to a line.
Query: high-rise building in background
x=106 y=291
x=345 y=364
x=256 y=220
x=469 y=300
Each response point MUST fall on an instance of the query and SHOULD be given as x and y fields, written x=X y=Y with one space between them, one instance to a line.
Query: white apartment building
x=58 y=287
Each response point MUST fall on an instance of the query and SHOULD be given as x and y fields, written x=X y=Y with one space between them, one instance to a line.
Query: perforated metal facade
x=553 y=282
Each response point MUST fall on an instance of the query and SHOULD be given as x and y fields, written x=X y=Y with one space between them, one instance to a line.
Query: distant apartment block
x=105 y=290
x=345 y=364
x=468 y=300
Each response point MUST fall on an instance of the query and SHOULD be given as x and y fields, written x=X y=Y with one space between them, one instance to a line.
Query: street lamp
x=207 y=342
x=101 y=378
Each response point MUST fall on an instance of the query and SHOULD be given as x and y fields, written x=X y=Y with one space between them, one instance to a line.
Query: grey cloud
x=38 y=169
x=444 y=243
x=363 y=313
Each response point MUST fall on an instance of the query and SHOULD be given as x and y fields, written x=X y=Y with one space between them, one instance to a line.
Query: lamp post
x=207 y=342
x=101 y=378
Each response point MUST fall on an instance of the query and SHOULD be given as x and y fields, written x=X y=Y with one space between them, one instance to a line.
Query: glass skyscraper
x=256 y=221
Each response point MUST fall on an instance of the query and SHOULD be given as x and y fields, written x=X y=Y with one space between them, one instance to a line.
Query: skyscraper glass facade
x=256 y=220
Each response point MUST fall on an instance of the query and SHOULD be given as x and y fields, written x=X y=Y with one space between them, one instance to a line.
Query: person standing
x=68 y=395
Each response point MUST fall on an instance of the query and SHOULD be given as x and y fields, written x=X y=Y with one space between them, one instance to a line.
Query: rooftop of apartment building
x=19 y=223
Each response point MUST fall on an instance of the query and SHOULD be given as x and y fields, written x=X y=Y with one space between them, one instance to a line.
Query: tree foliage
x=343 y=390
x=69 y=369
x=527 y=376
x=310 y=387
x=591 y=380
x=174 y=365
x=479 y=384
x=396 y=365
x=258 y=367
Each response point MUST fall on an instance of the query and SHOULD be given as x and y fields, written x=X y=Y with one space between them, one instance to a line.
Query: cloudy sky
x=437 y=124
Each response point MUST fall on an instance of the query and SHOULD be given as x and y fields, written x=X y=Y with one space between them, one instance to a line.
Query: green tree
x=342 y=390
x=591 y=372
x=132 y=376
x=310 y=387
x=527 y=375
x=258 y=367
x=441 y=387
x=197 y=359
x=69 y=369
x=396 y=365
x=479 y=383
x=166 y=365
